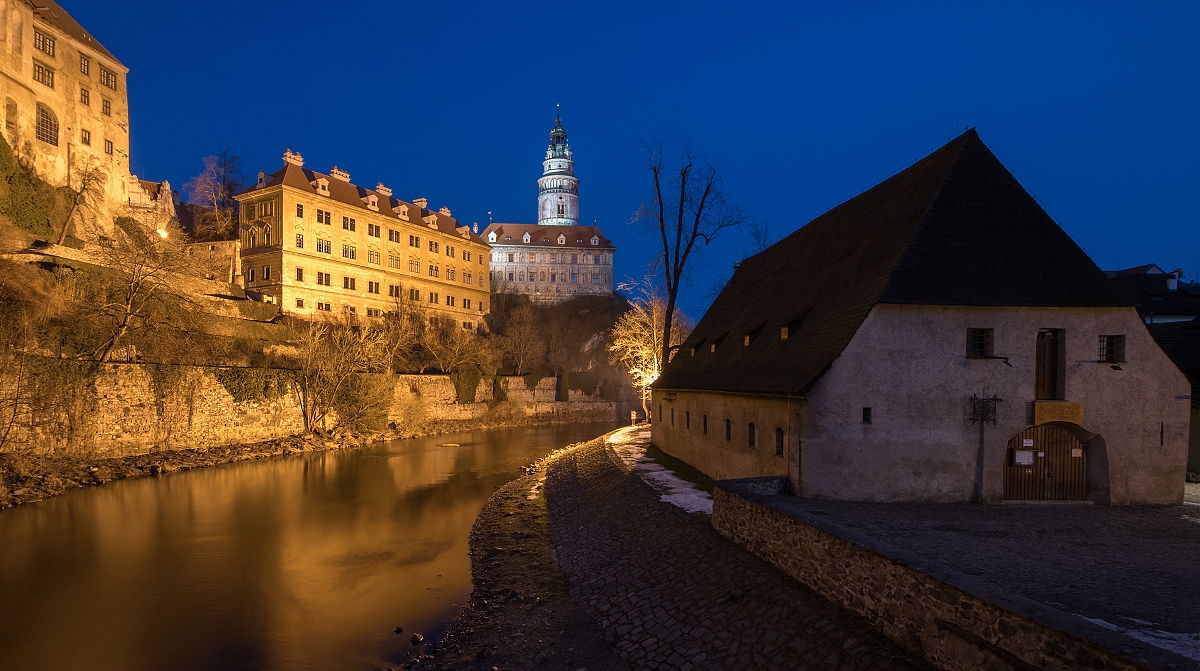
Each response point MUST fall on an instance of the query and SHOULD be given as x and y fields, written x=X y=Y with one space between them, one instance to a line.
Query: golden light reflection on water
x=305 y=562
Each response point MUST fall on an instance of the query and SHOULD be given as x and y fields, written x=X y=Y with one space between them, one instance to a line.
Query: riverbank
x=603 y=559
x=27 y=477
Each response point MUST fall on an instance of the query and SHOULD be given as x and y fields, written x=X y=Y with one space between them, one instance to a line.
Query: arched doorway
x=1045 y=463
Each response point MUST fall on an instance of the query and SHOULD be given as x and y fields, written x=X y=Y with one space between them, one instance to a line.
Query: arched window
x=779 y=442
x=47 y=125
x=267 y=235
x=253 y=239
x=562 y=208
x=750 y=434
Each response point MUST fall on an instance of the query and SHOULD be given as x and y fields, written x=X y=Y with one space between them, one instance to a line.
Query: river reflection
x=304 y=562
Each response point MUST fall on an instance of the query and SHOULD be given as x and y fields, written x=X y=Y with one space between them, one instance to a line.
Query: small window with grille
x=979 y=343
x=47 y=126
x=1111 y=349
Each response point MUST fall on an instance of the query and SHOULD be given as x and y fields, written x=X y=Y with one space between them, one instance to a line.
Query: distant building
x=555 y=259
x=317 y=244
x=66 y=105
x=937 y=338
x=1171 y=309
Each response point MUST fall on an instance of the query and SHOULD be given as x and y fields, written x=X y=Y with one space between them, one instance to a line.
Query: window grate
x=1111 y=349
x=979 y=343
x=47 y=126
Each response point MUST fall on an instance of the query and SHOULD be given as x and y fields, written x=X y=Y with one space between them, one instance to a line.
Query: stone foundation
x=950 y=627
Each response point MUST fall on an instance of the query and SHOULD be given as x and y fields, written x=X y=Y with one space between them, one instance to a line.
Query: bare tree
x=333 y=358
x=146 y=287
x=87 y=190
x=638 y=334
x=687 y=207
x=214 y=190
x=525 y=339
x=404 y=329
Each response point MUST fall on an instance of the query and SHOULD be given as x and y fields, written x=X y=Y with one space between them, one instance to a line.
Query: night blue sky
x=1093 y=105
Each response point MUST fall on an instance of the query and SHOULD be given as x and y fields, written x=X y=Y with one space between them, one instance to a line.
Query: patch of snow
x=629 y=444
x=1190 y=519
x=1185 y=645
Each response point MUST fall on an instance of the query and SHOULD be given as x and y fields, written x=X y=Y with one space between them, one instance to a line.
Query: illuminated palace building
x=317 y=244
x=555 y=259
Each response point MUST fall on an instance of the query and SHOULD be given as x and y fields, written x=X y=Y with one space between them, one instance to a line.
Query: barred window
x=1112 y=349
x=43 y=42
x=108 y=78
x=47 y=126
x=85 y=65
x=979 y=343
x=43 y=74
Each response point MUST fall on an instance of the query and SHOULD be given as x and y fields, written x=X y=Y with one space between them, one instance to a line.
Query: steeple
x=558 y=189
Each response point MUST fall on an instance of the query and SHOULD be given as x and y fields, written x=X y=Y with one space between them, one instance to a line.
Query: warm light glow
x=162 y=233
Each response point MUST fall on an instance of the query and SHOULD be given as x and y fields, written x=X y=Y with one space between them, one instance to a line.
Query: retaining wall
x=949 y=626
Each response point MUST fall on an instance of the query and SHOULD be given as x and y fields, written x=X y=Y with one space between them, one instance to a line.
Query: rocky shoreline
x=520 y=613
x=27 y=477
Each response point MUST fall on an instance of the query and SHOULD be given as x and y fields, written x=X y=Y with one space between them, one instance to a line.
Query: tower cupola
x=558 y=189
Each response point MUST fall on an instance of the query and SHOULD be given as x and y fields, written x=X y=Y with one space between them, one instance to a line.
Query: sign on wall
x=1045 y=412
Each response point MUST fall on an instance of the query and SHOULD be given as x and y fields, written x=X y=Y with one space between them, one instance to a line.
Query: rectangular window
x=267 y=208
x=373 y=257
x=466 y=255
x=266 y=273
x=299 y=274
x=393 y=291
x=251 y=274
x=393 y=235
x=433 y=246
x=372 y=287
x=85 y=137
x=510 y=260
x=373 y=230
x=414 y=266
x=466 y=278
x=324 y=279
x=1112 y=349
x=108 y=78
x=574 y=259
x=466 y=303
x=300 y=242
x=43 y=42
x=43 y=74
x=325 y=307
x=371 y=312
x=108 y=147
x=414 y=241
x=449 y=251
x=573 y=278
x=299 y=302
x=249 y=210
x=450 y=301
x=979 y=343
x=450 y=272
x=105 y=107
x=323 y=217
x=348 y=223
x=349 y=252
x=866 y=415
x=595 y=279
x=433 y=298
x=433 y=271
x=414 y=294
x=324 y=246
x=350 y=308
x=85 y=65
x=300 y=210
x=85 y=97
x=348 y=283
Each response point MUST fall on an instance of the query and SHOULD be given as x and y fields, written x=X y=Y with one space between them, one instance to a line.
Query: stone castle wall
x=139 y=408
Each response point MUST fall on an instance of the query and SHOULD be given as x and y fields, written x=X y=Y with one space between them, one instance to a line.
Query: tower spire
x=558 y=189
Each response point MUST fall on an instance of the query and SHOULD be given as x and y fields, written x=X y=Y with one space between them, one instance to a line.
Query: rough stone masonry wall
x=951 y=628
x=130 y=414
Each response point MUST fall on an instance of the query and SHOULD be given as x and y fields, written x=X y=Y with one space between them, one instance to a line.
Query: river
x=302 y=562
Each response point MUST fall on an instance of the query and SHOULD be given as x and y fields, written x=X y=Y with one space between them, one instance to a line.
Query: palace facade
x=316 y=244
x=555 y=259
x=66 y=106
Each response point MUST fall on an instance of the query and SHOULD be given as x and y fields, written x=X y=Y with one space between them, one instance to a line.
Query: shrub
x=254 y=384
x=466 y=381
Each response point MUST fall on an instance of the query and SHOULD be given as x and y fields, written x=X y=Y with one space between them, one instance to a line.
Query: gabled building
x=937 y=338
x=555 y=259
x=317 y=244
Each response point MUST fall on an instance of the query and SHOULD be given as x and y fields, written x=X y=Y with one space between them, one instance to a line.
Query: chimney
x=421 y=202
x=444 y=210
x=383 y=190
x=1173 y=279
x=294 y=158
x=337 y=173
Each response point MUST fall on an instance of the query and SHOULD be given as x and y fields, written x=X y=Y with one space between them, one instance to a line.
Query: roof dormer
x=595 y=240
x=526 y=237
x=321 y=185
x=431 y=220
x=562 y=239
x=372 y=202
x=402 y=211
x=492 y=236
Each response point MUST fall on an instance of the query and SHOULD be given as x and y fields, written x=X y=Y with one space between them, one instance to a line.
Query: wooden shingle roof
x=956 y=228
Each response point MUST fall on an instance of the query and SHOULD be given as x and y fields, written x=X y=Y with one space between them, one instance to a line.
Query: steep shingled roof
x=577 y=236
x=956 y=228
x=55 y=15
x=355 y=196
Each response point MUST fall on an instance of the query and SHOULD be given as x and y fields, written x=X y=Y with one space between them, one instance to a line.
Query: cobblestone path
x=671 y=593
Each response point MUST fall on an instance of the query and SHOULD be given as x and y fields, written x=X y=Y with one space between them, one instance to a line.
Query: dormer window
x=595 y=240
x=262 y=180
x=373 y=202
x=492 y=236
x=526 y=238
x=403 y=212
x=322 y=186
x=562 y=239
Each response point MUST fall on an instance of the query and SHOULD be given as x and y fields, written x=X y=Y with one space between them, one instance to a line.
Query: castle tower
x=558 y=190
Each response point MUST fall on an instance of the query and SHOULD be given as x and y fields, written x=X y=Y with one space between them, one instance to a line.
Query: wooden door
x=1045 y=386
x=1045 y=463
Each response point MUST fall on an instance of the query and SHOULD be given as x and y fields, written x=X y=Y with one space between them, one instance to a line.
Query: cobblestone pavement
x=1191 y=492
x=671 y=593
